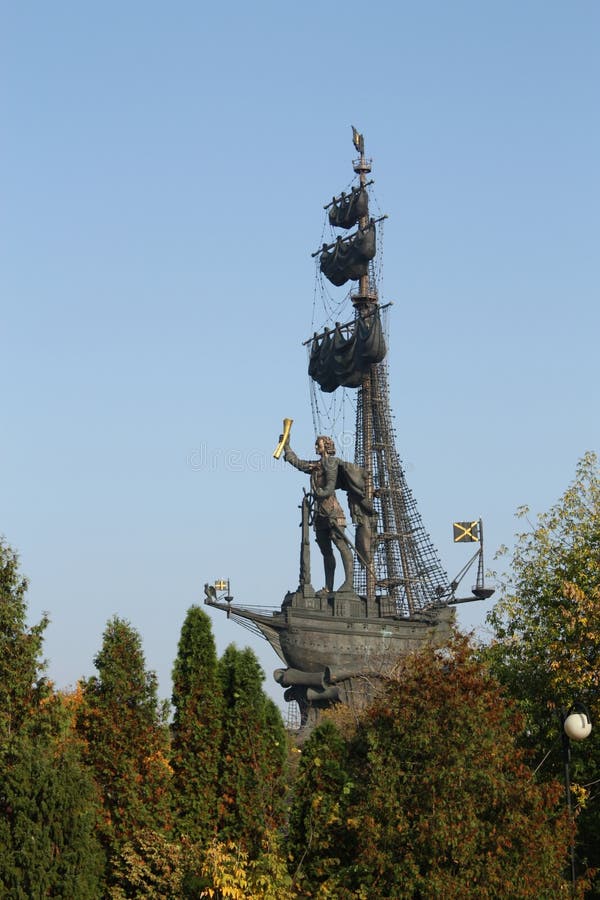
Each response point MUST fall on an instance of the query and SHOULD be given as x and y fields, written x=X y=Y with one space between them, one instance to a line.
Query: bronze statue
x=329 y=519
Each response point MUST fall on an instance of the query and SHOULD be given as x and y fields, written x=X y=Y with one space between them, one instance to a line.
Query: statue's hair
x=328 y=443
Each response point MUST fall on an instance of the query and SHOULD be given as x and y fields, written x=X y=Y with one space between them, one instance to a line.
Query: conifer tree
x=21 y=684
x=48 y=811
x=126 y=738
x=252 y=760
x=275 y=748
x=47 y=800
x=196 y=730
x=316 y=837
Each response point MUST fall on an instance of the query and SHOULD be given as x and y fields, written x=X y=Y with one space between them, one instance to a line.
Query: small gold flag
x=221 y=585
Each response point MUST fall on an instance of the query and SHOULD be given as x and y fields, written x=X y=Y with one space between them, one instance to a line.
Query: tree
x=253 y=754
x=48 y=811
x=547 y=624
x=21 y=682
x=197 y=729
x=440 y=802
x=123 y=725
x=317 y=824
x=546 y=646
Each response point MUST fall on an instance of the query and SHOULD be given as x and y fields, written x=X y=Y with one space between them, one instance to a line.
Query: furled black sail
x=345 y=211
x=338 y=361
x=349 y=259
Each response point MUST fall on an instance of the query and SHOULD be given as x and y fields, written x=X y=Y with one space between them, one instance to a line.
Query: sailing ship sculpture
x=395 y=595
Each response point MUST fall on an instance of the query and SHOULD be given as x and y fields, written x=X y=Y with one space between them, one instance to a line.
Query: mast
x=364 y=301
x=406 y=572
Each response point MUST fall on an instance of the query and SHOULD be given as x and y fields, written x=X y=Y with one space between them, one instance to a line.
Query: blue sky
x=164 y=169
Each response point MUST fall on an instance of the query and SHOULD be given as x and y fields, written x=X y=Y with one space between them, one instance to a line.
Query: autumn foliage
x=546 y=646
x=447 y=785
x=431 y=797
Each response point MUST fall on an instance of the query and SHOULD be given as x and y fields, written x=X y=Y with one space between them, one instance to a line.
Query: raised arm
x=304 y=465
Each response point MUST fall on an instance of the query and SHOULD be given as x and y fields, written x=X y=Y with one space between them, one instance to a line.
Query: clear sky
x=163 y=174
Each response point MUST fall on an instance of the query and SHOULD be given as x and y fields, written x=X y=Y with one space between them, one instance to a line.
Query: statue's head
x=324 y=444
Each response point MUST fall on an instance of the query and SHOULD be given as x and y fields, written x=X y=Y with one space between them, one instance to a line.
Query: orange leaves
x=159 y=761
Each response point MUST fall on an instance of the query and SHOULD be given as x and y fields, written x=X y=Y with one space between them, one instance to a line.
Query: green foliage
x=197 y=729
x=274 y=747
x=48 y=811
x=547 y=624
x=123 y=726
x=20 y=647
x=47 y=808
x=253 y=754
x=547 y=636
x=149 y=866
x=439 y=800
x=317 y=824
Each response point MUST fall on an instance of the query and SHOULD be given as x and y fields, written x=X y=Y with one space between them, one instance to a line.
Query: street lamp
x=577 y=726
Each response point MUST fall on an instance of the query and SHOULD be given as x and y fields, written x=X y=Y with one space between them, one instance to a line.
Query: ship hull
x=312 y=640
x=312 y=643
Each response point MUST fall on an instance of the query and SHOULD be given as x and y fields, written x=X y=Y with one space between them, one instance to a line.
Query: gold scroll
x=287 y=427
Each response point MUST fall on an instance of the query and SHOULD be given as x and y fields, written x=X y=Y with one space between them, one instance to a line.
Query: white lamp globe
x=577 y=726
